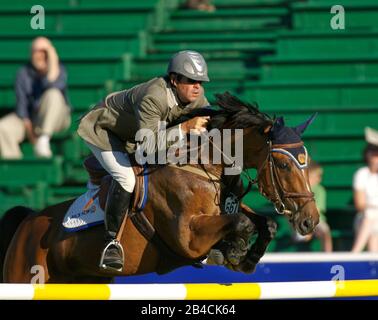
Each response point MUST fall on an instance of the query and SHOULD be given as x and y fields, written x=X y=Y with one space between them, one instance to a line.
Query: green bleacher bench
x=316 y=14
x=327 y=43
x=252 y=13
x=339 y=198
x=320 y=68
x=313 y=95
x=76 y=47
x=251 y=46
x=29 y=171
x=168 y=37
x=85 y=17
x=80 y=72
x=221 y=25
x=80 y=5
x=335 y=149
x=33 y=196
x=332 y=124
x=99 y=24
x=340 y=174
x=225 y=4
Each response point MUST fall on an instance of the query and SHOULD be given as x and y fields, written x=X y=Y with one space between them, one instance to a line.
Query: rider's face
x=187 y=89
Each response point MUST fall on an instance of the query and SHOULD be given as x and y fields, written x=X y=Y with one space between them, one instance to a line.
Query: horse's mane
x=232 y=113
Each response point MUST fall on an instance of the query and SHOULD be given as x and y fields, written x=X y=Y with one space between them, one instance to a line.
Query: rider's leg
x=119 y=195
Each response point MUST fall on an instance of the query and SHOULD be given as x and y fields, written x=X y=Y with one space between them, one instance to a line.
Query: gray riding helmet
x=190 y=64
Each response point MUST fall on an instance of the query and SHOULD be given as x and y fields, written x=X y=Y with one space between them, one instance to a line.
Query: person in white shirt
x=365 y=185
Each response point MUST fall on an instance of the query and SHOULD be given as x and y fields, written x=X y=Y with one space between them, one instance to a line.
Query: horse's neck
x=214 y=169
x=256 y=151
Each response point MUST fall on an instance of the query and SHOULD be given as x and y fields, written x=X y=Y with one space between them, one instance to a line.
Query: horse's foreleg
x=208 y=230
x=266 y=229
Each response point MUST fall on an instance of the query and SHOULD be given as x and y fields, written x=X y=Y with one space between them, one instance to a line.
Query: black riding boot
x=117 y=206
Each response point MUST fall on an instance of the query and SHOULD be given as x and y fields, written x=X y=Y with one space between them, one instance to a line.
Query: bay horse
x=183 y=207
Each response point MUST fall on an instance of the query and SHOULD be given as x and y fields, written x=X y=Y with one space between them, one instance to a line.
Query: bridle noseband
x=279 y=193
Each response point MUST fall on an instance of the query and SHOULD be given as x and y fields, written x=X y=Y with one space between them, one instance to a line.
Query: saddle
x=99 y=177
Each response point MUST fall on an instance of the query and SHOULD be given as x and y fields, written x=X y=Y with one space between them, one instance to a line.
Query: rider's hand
x=195 y=125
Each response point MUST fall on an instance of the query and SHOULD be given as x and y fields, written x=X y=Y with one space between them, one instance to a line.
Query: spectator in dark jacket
x=41 y=103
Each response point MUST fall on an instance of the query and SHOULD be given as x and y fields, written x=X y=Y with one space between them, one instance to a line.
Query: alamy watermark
x=39 y=272
x=210 y=147
x=338 y=20
x=38 y=20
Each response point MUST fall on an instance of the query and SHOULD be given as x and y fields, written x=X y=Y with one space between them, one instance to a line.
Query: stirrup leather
x=119 y=248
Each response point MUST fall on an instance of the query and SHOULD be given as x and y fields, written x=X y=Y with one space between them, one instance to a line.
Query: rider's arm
x=150 y=113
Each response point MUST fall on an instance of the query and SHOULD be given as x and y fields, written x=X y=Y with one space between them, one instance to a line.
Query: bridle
x=279 y=193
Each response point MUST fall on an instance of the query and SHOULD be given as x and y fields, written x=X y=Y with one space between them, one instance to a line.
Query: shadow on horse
x=186 y=210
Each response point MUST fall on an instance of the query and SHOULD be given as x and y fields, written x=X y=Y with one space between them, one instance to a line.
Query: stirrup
x=115 y=243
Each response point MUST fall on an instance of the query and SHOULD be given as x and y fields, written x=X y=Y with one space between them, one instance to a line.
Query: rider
x=109 y=130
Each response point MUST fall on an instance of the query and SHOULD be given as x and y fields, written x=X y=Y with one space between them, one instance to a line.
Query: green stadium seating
x=281 y=53
x=29 y=196
x=313 y=95
x=95 y=17
x=80 y=5
x=225 y=4
x=29 y=171
x=74 y=47
x=349 y=124
x=327 y=43
x=320 y=68
x=315 y=15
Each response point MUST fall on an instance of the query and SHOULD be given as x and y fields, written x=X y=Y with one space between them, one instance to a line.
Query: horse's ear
x=302 y=127
x=280 y=122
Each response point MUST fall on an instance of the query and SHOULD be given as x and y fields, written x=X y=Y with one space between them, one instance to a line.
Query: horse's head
x=276 y=151
x=278 y=154
x=283 y=175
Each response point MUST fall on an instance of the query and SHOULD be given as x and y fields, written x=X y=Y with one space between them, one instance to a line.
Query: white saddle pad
x=84 y=212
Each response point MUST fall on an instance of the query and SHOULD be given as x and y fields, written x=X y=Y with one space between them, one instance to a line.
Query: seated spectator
x=41 y=104
x=201 y=5
x=322 y=230
x=365 y=185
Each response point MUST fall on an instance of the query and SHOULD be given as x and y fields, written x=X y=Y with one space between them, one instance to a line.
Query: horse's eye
x=283 y=165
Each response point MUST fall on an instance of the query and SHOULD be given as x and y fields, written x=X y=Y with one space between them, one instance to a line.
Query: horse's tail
x=8 y=226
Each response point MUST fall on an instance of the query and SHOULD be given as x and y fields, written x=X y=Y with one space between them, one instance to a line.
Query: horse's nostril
x=307 y=225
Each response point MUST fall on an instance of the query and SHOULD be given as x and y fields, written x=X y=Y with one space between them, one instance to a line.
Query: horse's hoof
x=246 y=266
x=234 y=255
x=215 y=257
